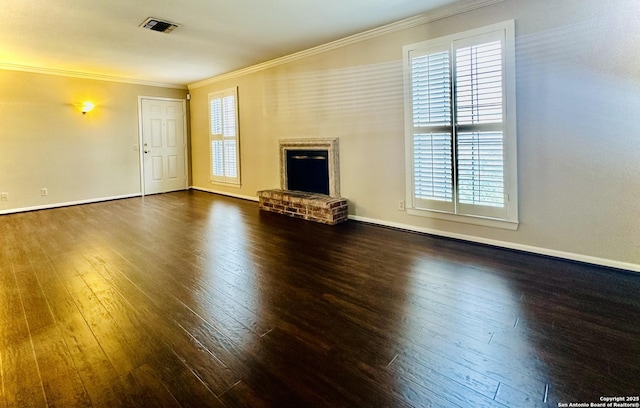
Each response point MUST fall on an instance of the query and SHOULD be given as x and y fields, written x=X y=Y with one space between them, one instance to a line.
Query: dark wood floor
x=194 y=300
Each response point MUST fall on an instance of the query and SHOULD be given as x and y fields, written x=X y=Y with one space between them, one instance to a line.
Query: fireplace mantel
x=330 y=145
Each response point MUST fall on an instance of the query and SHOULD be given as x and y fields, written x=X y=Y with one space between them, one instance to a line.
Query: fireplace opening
x=308 y=170
x=317 y=172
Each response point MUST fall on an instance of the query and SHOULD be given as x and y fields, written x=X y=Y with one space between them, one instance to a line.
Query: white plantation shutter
x=217 y=159
x=223 y=113
x=479 y=74
x=229 y=116
x=230 y=159
x=480 y=169
x=431 y=86
x=456 y=98
x=479 y=101
x=431 y=122
x=216 y=115
x=432 y=167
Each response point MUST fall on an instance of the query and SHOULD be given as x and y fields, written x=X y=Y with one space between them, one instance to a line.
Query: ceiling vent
x=156 y=24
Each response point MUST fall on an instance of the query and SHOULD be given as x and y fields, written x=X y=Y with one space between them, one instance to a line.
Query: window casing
x=460 y=125
x=224 y=137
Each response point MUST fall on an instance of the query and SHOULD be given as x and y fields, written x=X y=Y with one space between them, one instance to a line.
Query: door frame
x=141 y=141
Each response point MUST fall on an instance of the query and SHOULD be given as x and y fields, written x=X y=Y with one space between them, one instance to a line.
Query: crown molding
x=421 y=19
x=84 y=75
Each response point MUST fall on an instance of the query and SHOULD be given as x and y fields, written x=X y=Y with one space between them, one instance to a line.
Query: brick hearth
x=308 y=206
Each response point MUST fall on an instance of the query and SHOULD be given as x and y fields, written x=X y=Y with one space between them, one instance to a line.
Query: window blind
x=479 y=101
x=224 y=136
x=217 y=158
x=216 y=116
x=479 y=84
x=228 y=114
x=431 y=85
x=230 y=159
x=433 y=178
x=456 y=92
x=432 y=120
x=480 y=168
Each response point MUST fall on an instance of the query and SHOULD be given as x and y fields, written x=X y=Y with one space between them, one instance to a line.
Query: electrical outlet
x=401 y=205
x=4 y=196
x=44 y=192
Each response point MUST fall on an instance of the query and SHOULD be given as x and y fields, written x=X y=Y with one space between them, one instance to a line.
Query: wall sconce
x=87 y=107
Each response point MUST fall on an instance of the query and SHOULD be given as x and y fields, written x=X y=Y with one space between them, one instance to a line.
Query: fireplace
x=310 y=182
x=310 y=165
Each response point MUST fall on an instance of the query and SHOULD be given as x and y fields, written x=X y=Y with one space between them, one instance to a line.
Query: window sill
x=223 y=184
x=466 y=219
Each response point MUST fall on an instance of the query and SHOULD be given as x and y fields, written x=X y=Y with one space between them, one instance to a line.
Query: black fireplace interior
x=308 y=170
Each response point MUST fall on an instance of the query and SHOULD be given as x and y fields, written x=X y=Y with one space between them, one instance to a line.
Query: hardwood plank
x=34 y=302
x=21 y=382
x=61 y=381
x=242 y=396
x=516 y=399
x=319 y=376
x=106 y=331
x=158 y=320
x=439 y=384
x=22 y=385
x=100 y=378
x=426 y=360
x=192 y=299
x=150 y=391
x=524 y=373
x=191 y=392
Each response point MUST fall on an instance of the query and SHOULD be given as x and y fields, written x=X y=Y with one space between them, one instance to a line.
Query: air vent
x=156 y=24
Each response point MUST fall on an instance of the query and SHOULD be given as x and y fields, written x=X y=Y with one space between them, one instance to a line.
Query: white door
x=163 y=145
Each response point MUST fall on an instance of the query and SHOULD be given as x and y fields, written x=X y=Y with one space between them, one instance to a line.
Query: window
x=460 y=123
x=223 y=136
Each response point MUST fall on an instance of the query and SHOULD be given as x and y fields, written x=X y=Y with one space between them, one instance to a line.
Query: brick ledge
x=300 y=204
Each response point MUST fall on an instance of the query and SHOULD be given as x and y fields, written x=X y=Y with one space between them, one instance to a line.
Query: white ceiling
x=214 y=36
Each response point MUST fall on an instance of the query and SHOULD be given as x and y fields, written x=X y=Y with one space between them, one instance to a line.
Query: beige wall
x=578 y=134
x=45 y=142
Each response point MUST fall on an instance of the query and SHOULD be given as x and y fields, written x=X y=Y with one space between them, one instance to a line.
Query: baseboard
x=225 y=193
x=67 y=204
x=508 y=245
x=470 y=238
x=609 y=263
